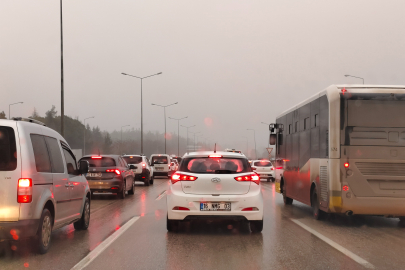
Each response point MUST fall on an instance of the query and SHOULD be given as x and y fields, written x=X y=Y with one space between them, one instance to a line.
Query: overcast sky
x=230 y=64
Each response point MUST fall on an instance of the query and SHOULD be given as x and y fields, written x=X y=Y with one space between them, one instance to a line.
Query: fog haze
x=230 y=64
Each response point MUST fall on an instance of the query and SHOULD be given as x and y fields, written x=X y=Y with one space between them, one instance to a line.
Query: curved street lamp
x=164 y=109
x=9 y=115
x=178 y=132
x=84 y=137
x=254 y=136
x=187 y=135
x=355 y=77
x=121 y=136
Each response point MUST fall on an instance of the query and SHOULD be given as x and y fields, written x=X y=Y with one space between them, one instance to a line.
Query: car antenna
x=215 y=148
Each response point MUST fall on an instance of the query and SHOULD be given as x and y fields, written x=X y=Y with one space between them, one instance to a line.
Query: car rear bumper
x=160 y=173
x=192 y=202
x=18 y=230
x=266 y=174
x=105 y=185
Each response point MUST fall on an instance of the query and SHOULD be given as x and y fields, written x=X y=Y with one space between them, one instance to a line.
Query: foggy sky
x=230 y=64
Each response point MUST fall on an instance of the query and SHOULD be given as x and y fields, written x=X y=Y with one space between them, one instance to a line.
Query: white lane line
x=107 y=242
x=161 y=195
x=345 y=251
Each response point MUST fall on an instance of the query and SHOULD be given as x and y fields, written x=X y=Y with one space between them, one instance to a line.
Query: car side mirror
x=273 y=139
x=132 y=167
x=83 y=167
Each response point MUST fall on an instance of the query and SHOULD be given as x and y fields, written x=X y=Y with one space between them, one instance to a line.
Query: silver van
x=41 y=187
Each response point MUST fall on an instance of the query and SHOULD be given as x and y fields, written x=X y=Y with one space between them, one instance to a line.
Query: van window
x=8 y=149
x=70 y=162
x=56 y=155
x=159 y=160
x=42 y=161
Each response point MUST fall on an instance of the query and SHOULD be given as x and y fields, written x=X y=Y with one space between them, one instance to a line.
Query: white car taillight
x=249 y=177
x=24 y=190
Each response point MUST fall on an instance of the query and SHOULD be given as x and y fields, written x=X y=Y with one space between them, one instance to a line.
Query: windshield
x=8 y=151
x=215 y=165
x=102 y=162
x=159 y=160
x=262 y=163
x=133 y=159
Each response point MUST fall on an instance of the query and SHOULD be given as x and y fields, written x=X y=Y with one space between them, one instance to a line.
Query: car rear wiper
x=224 y=171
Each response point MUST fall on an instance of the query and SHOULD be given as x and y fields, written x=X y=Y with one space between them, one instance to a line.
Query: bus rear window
x=8 y=149
x=102 y=162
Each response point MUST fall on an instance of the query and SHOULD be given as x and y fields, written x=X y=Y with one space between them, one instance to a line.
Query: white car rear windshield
x=215 y=165
x=159 y=160
x=8 y=150
x=263 y=163
x=133 y=159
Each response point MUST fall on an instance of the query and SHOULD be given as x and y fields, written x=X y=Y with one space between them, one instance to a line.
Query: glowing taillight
x=181 y=208
x=345 y=188
x=249 y=177
x=215 y=156
x=182 y=177
x=254 y=168
x=346 y=165
x=272 y=168
x=24 y=190
x=250 y=209
x=143 y=164
x=96 y=157
x=116 y=171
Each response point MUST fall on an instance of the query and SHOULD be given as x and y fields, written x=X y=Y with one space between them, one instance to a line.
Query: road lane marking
x=161 y=195
x=345 y=251
x=106 y=243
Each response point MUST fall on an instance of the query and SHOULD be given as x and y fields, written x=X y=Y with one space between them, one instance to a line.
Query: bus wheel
x=316 y=212
x=287 y=200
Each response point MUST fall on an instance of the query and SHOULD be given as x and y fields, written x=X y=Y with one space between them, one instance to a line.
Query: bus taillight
x=345 y=188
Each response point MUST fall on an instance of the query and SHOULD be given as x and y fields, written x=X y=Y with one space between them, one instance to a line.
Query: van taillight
x=24 y=190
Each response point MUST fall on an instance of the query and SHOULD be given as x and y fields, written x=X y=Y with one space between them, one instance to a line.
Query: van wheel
x=316 y=212
x=132 y=190
x=256 y=226
x=152 y=178
x=147 y=180
x=44 y=232
x=84 y=222
x=287 y=200
x=172 y=225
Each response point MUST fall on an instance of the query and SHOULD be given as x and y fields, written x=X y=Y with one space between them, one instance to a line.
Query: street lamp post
x=355 y=77
x=141 y=78
x=194 y=137
x=187 y=135
x=247 y=144
x=198 y=137
x=84 y=137
x=164 y=110
x=178 y=132
x=9 y=114
x=121 y=136
x=267 y=124
x=254 y=136
x=62 y=98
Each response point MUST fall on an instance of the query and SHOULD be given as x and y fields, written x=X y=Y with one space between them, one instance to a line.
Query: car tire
x=287 y=200
x=401 y=221
x=273 y=179
x=84 y=222
x=268 y=179
x=172 y=225
x=132 y=190
x=121 y=194
x=147 y=180
x=152 y=178
x=317 y=213
x=256 y=226
x=43 y=238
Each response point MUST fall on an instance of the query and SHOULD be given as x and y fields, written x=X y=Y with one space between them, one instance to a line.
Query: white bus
x=344 y=151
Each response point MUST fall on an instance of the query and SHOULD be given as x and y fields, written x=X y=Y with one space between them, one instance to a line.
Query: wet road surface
x=291 y=239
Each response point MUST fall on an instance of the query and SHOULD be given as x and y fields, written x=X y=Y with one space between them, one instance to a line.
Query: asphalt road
x=135 y=229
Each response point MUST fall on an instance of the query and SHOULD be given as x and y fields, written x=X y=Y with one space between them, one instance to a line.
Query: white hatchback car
x=215 y=185
x=264 y=168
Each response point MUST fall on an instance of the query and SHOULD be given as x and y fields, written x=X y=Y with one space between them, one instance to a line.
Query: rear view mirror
x=273 y=139
x=83 y=167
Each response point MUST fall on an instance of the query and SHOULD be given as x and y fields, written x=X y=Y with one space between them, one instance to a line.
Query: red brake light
x=254 y=168
x=215 y=156
x=345 y=188
x=24 y=190
x=116 y=171
x=250 y=209
x=344 y=91
x=279 y=168
x=181 y=208
x=96 y=157
x=143 y=164
x=346 y=165
x=182 y=177
x=249 y=177
x=272 y=168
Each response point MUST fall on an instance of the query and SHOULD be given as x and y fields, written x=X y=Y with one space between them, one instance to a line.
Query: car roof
x=207 y=153
x=127 y=155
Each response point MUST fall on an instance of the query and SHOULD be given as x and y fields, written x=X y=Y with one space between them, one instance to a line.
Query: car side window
x=124 y=163
x=55 y=154
x=70 y=162
x=42 y=160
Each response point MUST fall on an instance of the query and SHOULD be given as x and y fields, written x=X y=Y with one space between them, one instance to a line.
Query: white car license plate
x=159 y=168
x=94 y=174
x=215 y=206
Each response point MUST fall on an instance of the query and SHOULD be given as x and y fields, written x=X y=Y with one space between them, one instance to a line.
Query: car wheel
x=316 y=212
x=172 y=225
x=402 y=221
x=268 y=179
x=273 y=179
x=84 y=222
x=147 y=180
x=256 y=226
x=152 y=178
x=121 y=194
x=132 y=190
x=287 y=200
x=44 y=232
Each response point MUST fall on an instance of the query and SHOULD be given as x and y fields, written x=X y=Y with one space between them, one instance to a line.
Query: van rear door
x=10 y=171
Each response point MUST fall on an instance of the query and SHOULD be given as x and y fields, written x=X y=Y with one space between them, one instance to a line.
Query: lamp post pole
x=178 y=132
x=84 y=137
x=121 y=136
x=9 y=113
x=187 y=136
x=62 y=97
x=254 y=136
x=141 y=78
x=164 y=110
x=194 y=137
x=355 y=77
x=247 y=144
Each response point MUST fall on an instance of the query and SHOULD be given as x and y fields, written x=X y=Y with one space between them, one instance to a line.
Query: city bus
x=343 y=151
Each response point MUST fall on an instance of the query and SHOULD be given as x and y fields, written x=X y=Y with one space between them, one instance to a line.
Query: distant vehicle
x=143 y=171
x=233 y=151
x=176 y=163
x=173 y=165
x=110 y=173
x=264 y=168
x=177 y=158
x=160 y=164
x=342 y=151
x=231 y=190
x=41 y=187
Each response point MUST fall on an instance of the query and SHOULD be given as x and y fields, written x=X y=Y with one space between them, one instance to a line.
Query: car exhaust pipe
x=349 y=213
